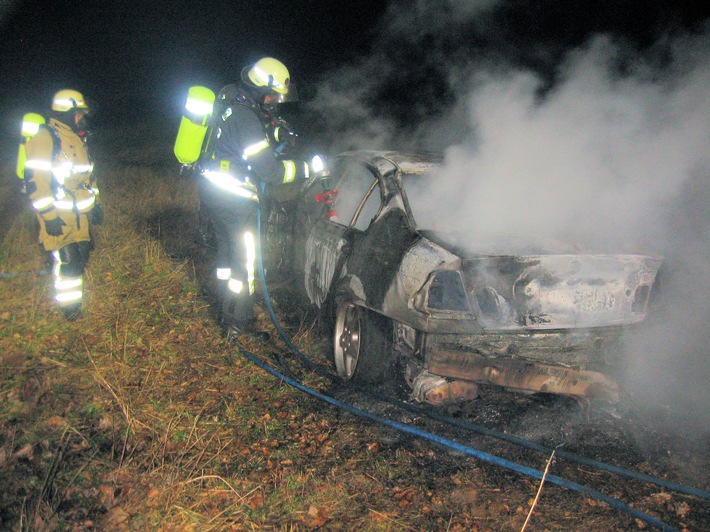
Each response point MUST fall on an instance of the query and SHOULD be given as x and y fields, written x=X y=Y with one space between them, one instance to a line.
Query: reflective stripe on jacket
x=237 y=187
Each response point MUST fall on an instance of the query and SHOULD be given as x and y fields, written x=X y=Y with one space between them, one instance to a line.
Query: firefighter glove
x=54 y=227
x=97 y=214
x=285 y=137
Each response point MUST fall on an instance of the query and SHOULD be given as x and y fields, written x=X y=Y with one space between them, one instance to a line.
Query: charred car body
x=393 y=292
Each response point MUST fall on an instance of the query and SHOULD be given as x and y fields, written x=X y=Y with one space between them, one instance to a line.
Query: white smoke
x=612 y=162
x=598 y=154
x=414 y=21
x=612 y=154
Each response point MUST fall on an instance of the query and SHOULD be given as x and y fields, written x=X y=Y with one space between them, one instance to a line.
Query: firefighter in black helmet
x=246 y=147
x=63 y=192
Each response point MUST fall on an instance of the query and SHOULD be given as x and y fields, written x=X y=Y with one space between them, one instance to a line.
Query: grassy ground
x=140 y=417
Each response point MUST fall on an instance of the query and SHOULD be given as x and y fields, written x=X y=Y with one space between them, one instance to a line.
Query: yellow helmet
x=68 y=100
x=268 y=73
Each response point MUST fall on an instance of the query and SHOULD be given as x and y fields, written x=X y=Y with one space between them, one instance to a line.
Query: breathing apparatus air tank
x=30 y=127
x=193 y=125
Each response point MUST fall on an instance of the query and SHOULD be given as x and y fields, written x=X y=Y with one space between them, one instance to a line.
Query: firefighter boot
x=72 y=312
x=238 y=319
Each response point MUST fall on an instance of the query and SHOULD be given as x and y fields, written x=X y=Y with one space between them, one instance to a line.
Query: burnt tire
x=362 y=344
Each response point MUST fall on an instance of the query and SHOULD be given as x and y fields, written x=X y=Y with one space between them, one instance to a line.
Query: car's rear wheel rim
x=347 y=340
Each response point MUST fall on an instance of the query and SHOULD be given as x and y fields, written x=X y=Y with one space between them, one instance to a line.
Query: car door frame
x=329 y=244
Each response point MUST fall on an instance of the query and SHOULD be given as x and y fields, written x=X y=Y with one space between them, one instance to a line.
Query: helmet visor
x=290 y=96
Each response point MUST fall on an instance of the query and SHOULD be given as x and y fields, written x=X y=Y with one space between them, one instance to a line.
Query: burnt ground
x=641 y=442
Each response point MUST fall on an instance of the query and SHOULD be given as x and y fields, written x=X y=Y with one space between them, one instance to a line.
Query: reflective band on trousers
x=68 y=297
x=235 y=285
x=231 y=184
x=65 y=284
x=251 y=260
x=67 y=289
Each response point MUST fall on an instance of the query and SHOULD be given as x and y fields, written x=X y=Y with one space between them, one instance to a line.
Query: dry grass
x=140 y=417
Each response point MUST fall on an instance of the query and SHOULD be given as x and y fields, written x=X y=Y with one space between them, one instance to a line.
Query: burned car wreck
x=396 y=296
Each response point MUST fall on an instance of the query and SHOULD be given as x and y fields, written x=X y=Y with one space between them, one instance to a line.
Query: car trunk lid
x=547 y=292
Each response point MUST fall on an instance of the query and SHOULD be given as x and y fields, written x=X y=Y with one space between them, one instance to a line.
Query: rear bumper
x=522 y=375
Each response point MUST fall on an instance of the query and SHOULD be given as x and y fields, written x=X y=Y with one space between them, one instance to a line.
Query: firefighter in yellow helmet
x=63 y=193
x=247 y=147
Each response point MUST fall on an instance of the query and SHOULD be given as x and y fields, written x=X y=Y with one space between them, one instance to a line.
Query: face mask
x=82 y=126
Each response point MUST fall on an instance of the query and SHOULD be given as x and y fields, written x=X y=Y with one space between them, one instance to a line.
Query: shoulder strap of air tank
x=56 y=141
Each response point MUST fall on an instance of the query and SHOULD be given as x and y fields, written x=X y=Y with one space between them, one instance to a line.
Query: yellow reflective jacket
x=60 y=176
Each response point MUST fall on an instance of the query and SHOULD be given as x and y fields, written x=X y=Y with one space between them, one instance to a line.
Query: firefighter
x=63 y=192
x=247 y=148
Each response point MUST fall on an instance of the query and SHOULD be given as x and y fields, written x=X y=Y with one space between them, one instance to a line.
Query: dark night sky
x=135 y=59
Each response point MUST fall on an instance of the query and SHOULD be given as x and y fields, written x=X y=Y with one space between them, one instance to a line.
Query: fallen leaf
x=318 y=516
x=464 y=496
x=24 y=452
x=682 y=509
x=117 y=516
x=56 y=422
x=257 y=501
x=379 y=517
x=105 y=423
x=107 y=495
x=661 y=497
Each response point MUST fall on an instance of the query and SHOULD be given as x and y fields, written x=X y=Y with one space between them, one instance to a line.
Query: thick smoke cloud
x=610 y=162
x=604 y=145
x=598 y=152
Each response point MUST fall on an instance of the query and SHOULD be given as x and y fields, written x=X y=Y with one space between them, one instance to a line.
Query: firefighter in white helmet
x=63 y=193
x=247 y=145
